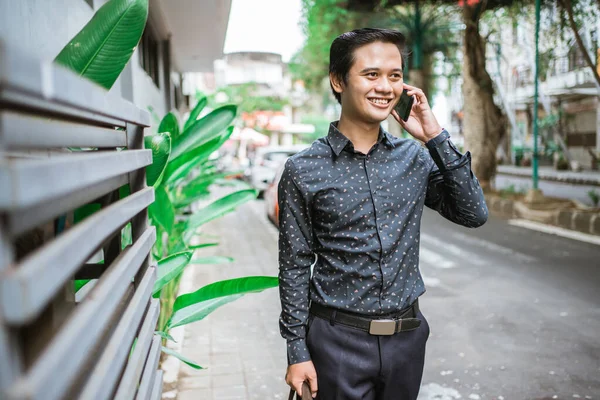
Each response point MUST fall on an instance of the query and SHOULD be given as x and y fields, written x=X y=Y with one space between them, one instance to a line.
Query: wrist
x=436 y=133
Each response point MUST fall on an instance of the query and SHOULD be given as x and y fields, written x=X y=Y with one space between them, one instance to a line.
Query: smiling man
x=351 y=204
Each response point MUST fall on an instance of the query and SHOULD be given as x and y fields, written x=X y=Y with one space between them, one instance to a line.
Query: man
x=352 y=205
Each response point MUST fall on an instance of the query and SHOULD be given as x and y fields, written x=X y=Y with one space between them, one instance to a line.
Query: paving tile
x=195 y=394
x=230 y=393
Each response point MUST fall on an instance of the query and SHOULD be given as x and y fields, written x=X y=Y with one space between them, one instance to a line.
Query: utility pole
x=534 y=163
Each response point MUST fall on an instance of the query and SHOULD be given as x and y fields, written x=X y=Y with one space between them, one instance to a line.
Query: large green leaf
x=182 y=358
x=182 y=166
x=162 y=211
x=169 y=124
x=203 y=245
x=79 y=283
x=85 y=211
x=169 y=268
x=204 y=130
x=216 y=209
x=195 y=189
x=195 y=112
x=161 y=148
x=195 y=306
x=103 y=47
x=165 y=336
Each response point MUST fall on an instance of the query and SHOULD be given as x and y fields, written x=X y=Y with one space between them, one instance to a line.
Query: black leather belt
x=389 y=324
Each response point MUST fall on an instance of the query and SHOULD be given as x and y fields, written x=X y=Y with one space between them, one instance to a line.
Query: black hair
x=341 y=53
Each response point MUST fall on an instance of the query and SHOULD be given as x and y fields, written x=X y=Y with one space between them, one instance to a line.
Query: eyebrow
x=372 y=69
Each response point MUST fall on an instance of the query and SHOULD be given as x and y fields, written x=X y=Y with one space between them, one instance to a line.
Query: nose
x=383 y=85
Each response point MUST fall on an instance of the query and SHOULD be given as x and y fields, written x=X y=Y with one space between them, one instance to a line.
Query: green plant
x=99 y=52
x=181 y=174
x=103 y=47
x=594 y=197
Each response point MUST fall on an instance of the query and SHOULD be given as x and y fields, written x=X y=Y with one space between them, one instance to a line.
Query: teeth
x=380 y=101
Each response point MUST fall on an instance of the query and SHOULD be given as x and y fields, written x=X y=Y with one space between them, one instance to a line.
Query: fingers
x=312 y=382
x=298 y=388
x=418 y=93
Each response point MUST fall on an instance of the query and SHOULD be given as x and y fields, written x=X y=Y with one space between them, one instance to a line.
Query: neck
x=363 y=135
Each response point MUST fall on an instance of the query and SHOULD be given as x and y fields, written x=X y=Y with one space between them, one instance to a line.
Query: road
x=514 y=314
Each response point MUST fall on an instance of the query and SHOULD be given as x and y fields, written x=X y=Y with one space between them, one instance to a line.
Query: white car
x=266 y=161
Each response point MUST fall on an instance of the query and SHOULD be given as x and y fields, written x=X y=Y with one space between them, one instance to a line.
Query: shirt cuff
x=444 y=152
x=297 y=351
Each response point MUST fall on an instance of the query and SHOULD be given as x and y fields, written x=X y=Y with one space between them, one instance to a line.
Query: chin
x=377 y=117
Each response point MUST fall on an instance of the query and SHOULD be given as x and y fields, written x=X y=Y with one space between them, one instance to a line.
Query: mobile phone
x=404 y=105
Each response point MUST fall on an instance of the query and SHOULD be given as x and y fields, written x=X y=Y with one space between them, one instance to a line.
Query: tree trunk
x=417 y=78
x=484 y=123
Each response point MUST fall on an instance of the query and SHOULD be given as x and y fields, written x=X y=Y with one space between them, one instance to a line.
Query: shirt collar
x=338 y=141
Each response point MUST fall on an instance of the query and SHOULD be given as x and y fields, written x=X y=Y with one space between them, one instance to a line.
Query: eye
x=372 y=74
x=396 y=76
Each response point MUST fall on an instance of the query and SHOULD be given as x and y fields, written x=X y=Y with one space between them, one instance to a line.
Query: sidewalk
x=239 y=343
x=591 y=178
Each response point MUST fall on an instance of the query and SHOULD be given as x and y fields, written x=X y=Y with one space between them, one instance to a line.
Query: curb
x=562 y=178
x=574 y=219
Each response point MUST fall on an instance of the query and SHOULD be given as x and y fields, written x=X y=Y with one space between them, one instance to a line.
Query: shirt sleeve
x=453 y=190
x=295 y=260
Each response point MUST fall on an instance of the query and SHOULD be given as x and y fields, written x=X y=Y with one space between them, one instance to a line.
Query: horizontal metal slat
x=25 y=290
x=47 y=80
x=135 y=364
x=21 y=220
x=110 y=364
x=150 y=368
x=25 y=101
x=32 y=182
x=23 y=131
x=56 y=368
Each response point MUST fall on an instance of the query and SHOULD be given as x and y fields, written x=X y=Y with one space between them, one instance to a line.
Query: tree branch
x=566 y=4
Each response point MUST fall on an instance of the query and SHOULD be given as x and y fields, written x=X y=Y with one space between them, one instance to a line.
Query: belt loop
x=332 y=318
x=416 y=308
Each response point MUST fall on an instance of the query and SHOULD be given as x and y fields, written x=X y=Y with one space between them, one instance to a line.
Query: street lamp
x=534 y=163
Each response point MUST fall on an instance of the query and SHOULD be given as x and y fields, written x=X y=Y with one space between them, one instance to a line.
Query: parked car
x=270 y=196
x=265 y=164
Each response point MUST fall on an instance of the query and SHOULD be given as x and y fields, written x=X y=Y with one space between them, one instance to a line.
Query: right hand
x=298 y=373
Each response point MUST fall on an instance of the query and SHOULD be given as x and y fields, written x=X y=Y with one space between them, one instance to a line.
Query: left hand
x=421 y=123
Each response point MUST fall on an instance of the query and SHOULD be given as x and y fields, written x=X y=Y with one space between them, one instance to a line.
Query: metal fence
x=65 y=143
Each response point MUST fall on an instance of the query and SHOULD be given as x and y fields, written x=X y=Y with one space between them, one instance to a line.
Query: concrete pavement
x=239 y=343
x=514 y=314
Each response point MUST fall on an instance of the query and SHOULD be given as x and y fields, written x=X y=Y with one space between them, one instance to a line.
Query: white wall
x=145 y=92
x=42 y=27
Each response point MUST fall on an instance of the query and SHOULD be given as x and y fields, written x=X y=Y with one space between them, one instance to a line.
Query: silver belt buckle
x=385 y=327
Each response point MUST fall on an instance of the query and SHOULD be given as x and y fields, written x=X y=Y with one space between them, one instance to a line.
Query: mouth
x=380 y=102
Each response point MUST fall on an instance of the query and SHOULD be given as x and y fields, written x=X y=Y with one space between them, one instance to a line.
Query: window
x=148 y=51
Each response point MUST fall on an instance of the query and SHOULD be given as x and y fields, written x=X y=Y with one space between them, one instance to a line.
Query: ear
x=336 y=83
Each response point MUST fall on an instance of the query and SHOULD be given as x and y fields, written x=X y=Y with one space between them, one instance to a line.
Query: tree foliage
x=323 y=21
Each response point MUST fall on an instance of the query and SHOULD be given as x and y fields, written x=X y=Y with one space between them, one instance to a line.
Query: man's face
x=374 y=83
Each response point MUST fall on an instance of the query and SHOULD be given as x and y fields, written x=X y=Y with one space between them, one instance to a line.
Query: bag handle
x=306 y=394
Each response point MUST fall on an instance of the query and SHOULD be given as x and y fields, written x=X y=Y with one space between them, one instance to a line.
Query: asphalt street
x=514 y=314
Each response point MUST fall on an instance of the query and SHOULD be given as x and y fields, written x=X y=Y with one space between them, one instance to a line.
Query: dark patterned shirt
x=357 y=217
